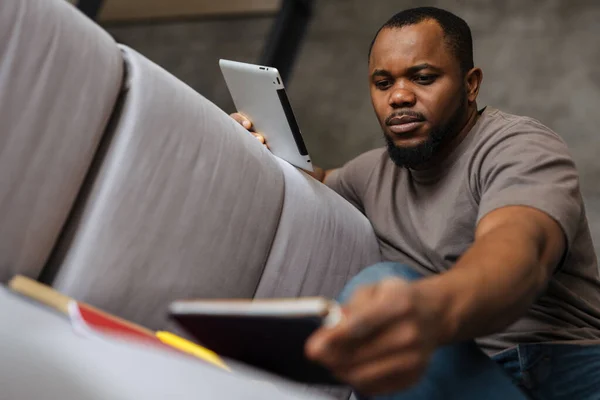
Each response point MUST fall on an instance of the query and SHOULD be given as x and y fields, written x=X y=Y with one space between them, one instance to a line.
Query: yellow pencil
x=194 y=349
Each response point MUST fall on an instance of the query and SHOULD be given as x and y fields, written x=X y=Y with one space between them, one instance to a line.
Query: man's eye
x=382 y=84
x=425 y=79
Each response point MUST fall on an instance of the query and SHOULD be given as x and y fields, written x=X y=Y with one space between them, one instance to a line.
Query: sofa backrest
x=128 y=189
x=320 y=243
x=60 y=75
x=185 y=203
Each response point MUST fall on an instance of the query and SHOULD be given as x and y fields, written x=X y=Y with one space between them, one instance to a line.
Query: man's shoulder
x=501 y=138
x=504 y=139
x=370 y=158
x=358 y=170
x=363 y=164
x=496 y=123
x=498 y=130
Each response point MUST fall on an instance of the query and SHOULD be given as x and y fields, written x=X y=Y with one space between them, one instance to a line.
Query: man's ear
x=473 y=83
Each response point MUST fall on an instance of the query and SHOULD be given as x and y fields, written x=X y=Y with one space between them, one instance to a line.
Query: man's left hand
x=384 y=342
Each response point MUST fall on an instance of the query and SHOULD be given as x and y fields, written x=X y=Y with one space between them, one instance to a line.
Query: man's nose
x=402 y=98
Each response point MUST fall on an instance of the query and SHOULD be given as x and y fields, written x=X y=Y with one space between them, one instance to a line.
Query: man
x=480 y=215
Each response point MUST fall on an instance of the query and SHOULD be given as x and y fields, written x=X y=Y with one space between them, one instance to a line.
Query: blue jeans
x=463 y=371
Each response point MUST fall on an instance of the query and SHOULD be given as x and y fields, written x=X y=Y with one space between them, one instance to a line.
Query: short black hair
x=456 y=31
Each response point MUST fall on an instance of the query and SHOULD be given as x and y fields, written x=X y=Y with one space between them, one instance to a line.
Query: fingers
x=247 y=124
x=384 y=363
x=341 y=336
x=359 y=323
x=334 y=350
x=373 y=312
x=373 y=307
x=392 y=298
x=242 y=120
x=383 y=343
x=260 y=137
x=324 y=343
x=387 y=374
x=397 y=338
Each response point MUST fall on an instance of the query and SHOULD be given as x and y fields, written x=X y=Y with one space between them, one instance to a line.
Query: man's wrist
x=317 y=173
x=439 y=302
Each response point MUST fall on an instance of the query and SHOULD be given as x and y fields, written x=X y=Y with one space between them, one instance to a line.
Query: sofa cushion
x=60 y=75
x=43 y=358
x=185 y=203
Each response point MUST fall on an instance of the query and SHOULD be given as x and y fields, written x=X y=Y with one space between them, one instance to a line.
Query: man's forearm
x=490 y=287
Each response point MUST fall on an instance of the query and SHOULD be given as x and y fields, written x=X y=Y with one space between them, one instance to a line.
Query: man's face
x=418 y=91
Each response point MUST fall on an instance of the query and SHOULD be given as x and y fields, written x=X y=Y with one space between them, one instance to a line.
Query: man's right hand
x=246 y=123
x=318 y=173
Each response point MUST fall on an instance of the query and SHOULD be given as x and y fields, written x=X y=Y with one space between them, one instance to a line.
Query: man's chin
x=409 y=153
x=406 y=142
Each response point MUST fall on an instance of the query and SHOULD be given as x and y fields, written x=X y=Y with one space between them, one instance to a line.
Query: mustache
x=401 y=113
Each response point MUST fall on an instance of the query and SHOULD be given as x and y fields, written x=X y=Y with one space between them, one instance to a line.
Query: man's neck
x=447 y=148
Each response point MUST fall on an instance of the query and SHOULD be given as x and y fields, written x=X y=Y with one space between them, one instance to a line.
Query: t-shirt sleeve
x=531 y=166
x=351 y=180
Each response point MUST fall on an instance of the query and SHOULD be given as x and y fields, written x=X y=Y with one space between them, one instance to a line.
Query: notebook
x=267 y=334
x=88 y=320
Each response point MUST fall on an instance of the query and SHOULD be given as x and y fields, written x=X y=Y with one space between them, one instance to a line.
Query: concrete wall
x=540 y=58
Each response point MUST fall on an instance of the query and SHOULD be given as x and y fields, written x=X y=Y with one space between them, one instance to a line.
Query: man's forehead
x=410 y=44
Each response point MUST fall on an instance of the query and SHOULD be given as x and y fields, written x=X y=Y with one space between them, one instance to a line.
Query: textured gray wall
x=540 y=58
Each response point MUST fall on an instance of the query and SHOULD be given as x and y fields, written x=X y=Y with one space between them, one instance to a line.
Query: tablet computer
x=258 y=93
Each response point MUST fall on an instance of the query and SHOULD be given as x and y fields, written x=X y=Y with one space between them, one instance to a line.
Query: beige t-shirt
x=427 y=218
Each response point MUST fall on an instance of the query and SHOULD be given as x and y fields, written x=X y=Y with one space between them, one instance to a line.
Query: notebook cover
x=274 y=344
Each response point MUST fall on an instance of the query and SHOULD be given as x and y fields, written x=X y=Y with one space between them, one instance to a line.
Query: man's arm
x=529 y=209
x=391 y=328
x=515 y=252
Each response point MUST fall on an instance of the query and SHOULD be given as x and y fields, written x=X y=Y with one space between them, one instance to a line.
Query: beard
x=414 y=156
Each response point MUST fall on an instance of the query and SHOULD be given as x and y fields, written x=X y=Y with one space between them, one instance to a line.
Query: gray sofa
x=124 y=188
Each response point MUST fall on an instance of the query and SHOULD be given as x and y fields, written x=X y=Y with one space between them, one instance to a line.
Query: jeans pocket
x=561 y=371
x=510 y=363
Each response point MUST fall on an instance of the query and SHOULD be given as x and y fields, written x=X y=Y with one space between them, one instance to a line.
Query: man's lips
x=404 y=124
